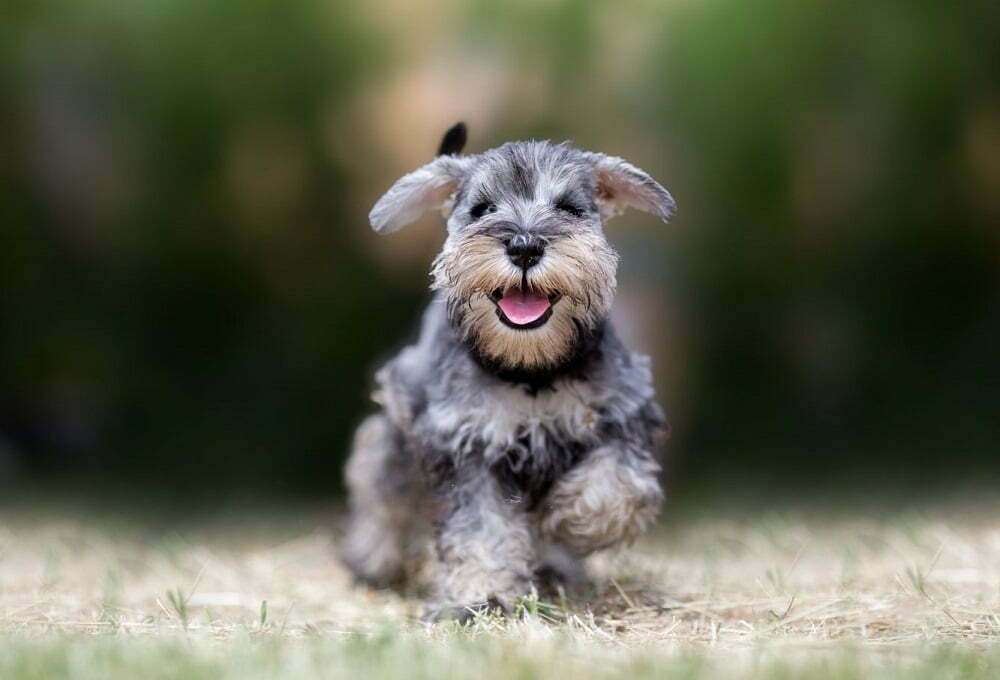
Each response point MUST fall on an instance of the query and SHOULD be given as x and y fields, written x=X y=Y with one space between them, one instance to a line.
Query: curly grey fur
x=533 y=447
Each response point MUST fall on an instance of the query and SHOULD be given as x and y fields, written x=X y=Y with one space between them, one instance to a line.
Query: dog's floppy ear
x=426 y=188
x=621 y=185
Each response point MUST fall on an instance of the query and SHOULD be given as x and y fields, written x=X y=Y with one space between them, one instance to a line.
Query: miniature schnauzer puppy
x=518 y=417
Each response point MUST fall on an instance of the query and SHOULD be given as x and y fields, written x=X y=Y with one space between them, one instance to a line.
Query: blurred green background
x=192 y=303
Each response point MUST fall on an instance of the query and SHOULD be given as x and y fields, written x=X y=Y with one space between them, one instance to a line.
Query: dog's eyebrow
x=576 y=198
x=582 y=197
x=569 y=196
x=482 y=195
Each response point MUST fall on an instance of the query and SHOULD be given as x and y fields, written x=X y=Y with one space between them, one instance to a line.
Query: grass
x=776 y=595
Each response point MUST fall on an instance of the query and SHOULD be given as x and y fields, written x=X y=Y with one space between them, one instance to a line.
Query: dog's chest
x=511 y=414
x=506 y=421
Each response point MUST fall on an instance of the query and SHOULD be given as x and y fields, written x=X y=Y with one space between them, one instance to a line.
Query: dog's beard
x=577 y=275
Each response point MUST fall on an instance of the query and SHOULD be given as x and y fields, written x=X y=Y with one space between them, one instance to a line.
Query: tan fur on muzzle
x=579 y=266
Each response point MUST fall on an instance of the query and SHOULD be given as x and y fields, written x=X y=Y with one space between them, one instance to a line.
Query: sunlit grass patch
x=775 y=595
x=454 y=653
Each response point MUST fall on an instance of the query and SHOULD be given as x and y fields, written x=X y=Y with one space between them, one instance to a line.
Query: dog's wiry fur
x=533 y=446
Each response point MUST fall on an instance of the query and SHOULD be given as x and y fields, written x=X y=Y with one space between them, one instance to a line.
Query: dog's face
x=526 y=268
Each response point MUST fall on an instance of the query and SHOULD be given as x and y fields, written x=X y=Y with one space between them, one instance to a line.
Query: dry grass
x=700 y=595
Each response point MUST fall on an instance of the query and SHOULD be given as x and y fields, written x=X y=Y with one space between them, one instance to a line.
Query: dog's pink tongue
x=521 y=307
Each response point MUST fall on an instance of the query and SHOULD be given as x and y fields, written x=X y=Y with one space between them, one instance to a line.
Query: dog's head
x=526 y=268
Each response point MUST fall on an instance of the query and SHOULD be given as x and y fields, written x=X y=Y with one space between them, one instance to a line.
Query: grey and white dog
x=518 y=419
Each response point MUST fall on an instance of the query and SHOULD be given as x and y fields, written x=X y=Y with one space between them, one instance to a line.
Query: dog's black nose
x=525 y=251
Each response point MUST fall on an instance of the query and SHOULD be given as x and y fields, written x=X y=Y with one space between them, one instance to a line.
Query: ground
x=845 y=594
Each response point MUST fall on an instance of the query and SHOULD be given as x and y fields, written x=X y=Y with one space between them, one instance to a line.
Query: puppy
x=518 y=413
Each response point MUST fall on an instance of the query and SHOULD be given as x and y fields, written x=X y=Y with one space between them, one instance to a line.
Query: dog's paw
x=602 y=502
x=466 y=614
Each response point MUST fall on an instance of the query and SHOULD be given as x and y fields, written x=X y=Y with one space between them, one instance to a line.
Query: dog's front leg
x=485 y=546
x=609 y=497
x=384 y=499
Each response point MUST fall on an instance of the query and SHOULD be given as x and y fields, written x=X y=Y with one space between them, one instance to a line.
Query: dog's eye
x=568 y=207
x=481 y=208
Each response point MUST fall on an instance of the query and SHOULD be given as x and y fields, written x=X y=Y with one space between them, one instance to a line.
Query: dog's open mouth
x=524 y=309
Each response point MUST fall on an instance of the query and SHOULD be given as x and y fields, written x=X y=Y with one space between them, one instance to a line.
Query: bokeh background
x=192 y=303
